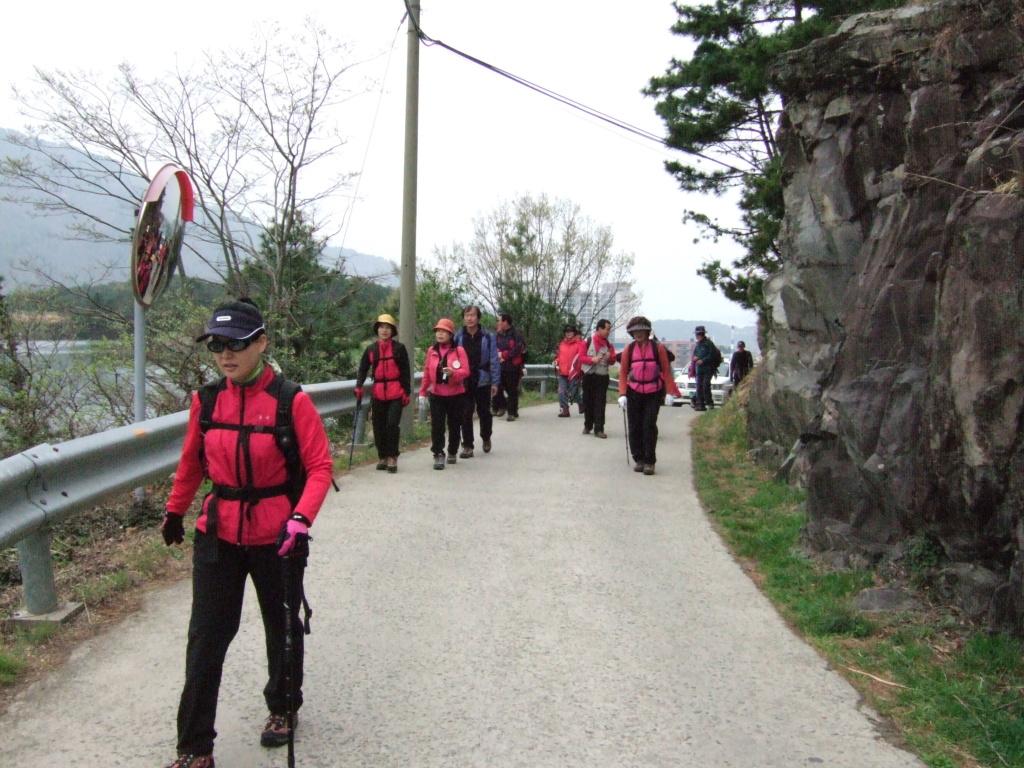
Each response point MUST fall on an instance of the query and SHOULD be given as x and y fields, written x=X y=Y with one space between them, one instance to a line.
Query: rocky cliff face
x=896 y=357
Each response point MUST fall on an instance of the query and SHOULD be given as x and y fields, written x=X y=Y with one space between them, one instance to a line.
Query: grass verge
x=952 y=693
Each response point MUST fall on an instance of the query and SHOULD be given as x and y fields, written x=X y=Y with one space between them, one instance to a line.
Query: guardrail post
x=544 y=387
x=421 y=413
x=36 y=565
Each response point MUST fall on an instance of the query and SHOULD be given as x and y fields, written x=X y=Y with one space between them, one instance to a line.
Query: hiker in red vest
x=268 y=483
x=645 y=381
x=444 y=374
x=392 y=388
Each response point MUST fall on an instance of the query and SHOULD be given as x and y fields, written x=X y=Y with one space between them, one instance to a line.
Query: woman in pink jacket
x=444 y=373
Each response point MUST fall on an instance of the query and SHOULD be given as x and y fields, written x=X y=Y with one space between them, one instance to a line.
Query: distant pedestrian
x=388 y=362
x=706 y=359
x=741 y=364
x=645 y=382
x=569 y=368
x=444 y=373
x=599 y=355
x=482 y=382
x=268 y=481
x=511 y=353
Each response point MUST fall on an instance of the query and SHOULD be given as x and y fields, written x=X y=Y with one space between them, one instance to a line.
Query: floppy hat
x=444 y=324
x=234 y=320
x=699 y=329
x=389 y=320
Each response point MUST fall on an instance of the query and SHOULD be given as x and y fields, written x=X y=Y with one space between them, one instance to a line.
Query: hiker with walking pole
x=260 y=441
x=645 y=381
x=388 y=362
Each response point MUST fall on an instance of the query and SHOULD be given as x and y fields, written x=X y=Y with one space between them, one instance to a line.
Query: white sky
x=482 y=138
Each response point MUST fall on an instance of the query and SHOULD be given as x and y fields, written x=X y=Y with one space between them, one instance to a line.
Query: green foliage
x=721 y=109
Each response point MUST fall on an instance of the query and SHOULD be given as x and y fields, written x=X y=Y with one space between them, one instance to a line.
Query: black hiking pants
x=508 y=390
x=219 y=572
x=642 y=416
x=595 y=400
x=478 y=399
x=386 y=417
x=446 y=411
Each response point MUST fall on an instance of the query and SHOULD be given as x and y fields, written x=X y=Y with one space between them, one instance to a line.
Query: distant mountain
x=32 y=246
x=723 y=335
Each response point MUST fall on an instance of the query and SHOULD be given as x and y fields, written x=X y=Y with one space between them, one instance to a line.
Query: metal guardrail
x=48 y=483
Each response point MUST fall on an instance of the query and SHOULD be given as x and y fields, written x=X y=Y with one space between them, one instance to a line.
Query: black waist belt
x=248 y=494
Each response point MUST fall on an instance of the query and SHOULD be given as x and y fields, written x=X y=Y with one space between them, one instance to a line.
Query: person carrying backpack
x=444 y=377
x=260 y=441
x=600 y=354
x=645 y=381
x=392 y=388
x=570 y=369
x=706 y=359
x=511 y=355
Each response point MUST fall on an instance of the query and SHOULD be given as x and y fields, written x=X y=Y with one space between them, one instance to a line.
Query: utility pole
x=407 y=286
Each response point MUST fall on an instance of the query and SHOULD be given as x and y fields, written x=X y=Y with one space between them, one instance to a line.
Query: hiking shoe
x=586 y=430
x=649 y=469
x=580 y=406
x=638 y=467
x=193 y=761
x=276 y=731
x=500 y=412
x=467 y=453
x=451 y=458
x=487 y=446
x=382 y=464
x=392 y=466
x=602 y=435
x=438 y=461
x=563 y=413
x=510 y=417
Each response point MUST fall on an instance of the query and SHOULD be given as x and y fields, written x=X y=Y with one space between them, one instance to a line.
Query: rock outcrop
x=896 y=342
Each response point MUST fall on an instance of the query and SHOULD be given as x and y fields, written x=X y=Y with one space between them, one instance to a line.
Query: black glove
x=173 y=530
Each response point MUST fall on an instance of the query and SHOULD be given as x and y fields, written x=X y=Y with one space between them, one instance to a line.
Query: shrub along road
x=542 y=605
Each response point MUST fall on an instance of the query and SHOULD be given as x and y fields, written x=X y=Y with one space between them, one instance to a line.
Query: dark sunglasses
x=235 y=345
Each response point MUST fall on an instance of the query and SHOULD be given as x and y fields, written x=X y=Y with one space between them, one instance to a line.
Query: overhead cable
x=429 y=41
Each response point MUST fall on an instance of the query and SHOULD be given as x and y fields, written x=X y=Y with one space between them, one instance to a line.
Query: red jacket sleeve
x=190 y=469
x=315 y=451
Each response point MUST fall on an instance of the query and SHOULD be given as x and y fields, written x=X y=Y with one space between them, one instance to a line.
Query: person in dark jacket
x=392 y=389
x=265 y=495
x=705 y=355
x=741 y=364
x=511 y=354
x=482 y=383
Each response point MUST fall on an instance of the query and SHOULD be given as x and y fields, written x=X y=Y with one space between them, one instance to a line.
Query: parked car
x=721 y=387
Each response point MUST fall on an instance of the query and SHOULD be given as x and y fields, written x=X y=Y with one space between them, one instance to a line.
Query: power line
x=621 y=124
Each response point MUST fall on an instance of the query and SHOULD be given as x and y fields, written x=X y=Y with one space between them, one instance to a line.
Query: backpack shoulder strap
x=207 y=402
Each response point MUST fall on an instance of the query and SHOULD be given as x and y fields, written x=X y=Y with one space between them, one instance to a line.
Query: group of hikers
x=260 y=442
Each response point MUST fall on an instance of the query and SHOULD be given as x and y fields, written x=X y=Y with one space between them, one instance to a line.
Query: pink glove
x=291 y=530
x=359 y=393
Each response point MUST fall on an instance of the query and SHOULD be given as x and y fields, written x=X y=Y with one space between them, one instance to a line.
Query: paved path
x=542 y=606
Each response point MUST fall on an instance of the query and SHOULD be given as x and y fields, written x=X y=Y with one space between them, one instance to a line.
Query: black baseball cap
x=235 y=320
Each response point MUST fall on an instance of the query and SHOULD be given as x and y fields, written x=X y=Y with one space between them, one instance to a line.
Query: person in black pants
x=645 y=376
x=482 y=384
x=267 y=487
x=511 y=355
x=392 y=387
x=600 y=354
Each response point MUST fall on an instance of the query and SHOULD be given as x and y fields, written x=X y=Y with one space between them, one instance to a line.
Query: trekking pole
x=355 y=423
x=625 y=429
x=289 y=652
